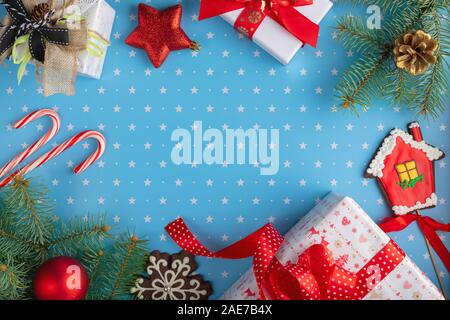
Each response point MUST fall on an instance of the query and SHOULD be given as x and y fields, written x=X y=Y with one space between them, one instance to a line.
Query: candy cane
x=60 y=149
x=39 y=143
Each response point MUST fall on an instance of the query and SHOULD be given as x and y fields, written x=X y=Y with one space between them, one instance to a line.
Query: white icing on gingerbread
x=377 y=165
x=429 y=202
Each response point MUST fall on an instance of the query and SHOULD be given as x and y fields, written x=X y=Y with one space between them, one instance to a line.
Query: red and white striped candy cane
x=39 y=143
x=60 y=149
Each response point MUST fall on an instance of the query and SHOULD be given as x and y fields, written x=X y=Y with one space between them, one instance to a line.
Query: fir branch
x=93 y=261
x=403 y=21
x=430 y=22
x=435 y=22
x=131 y=254
x=444 y=36
x=15 y=245
x=371 y=77
x=32 y=210
x=438 y=4
x=116 y=271
x=14 y=279
x=26 y=220
x=399 y=86
x=362 y=81
x=353 y=34
x=400 y=89
x=387 y=5
x=79 y=235
x=123 y=267
x=432 y=92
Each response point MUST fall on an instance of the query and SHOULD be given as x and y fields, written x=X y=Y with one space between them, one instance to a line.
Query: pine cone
x=414 y=51
x=39 y=11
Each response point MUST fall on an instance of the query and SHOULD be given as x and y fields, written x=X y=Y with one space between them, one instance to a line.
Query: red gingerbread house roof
x=404 y=166
x=376 y=167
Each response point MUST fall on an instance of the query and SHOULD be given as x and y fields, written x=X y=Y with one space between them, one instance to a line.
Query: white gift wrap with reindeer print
x=99 y=17
x=341 y=224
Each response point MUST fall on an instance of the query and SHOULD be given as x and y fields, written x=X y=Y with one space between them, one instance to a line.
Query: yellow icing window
x=408 y=174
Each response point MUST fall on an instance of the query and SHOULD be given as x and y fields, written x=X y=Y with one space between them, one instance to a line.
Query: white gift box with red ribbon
x=275 y=39
x=343 y=226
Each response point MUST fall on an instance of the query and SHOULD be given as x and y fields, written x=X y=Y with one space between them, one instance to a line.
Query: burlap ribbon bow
x=54 y=42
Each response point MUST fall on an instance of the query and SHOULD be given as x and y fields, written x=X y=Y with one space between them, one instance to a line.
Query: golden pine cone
x=39 y=11
x=414 y=52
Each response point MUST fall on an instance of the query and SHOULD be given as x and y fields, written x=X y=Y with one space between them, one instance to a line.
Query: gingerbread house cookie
x=404 y=167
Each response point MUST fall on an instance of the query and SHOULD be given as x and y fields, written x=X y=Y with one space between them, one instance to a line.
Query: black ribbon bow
x=39 y=32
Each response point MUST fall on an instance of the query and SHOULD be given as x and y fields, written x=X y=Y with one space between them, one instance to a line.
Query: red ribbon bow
x=315 y=276
x=282 y=11
x=428 y=225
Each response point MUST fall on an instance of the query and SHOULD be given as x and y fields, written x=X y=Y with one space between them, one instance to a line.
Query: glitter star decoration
x=159 y=33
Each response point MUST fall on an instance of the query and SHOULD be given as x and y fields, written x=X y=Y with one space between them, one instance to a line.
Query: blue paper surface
x=230 y=83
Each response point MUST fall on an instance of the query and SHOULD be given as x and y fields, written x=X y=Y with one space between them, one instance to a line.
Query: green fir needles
x=30 y=234
x=376 y=75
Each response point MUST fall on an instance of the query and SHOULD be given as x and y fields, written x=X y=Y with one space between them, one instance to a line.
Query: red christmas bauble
x=61 y=278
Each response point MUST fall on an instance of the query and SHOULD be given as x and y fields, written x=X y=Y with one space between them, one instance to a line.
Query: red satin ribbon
x=428 y=225
x=315 y=276
x=282 y=11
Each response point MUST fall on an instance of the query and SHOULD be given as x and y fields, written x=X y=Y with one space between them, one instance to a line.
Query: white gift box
x=350 y=233
x=275 y=39
x=99 y=17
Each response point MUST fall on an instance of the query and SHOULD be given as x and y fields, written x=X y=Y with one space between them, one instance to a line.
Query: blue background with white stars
x=230 y=83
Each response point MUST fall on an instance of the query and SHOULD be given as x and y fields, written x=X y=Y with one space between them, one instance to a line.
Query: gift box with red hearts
x=356 y=246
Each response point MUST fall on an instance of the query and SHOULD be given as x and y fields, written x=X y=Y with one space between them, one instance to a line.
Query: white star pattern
x=230 y=84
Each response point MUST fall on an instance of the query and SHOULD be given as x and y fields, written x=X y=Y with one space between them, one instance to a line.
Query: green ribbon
x=21 y=55
x=21 y=52
x=412 y=183
x=96 y=45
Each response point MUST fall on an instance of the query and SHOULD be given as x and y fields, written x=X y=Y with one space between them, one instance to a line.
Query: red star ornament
x=159 y=33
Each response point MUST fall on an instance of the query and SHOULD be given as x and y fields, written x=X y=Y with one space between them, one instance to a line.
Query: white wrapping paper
x=276 y=40
x=352 y=237
x=99 y=16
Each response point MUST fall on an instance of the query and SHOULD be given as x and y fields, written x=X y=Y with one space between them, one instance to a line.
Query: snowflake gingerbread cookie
x=404 y=167
x=169 y=277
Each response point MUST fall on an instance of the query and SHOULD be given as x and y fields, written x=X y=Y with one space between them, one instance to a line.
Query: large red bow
x=428 y=225
x=282 y=11
x=315 y=276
